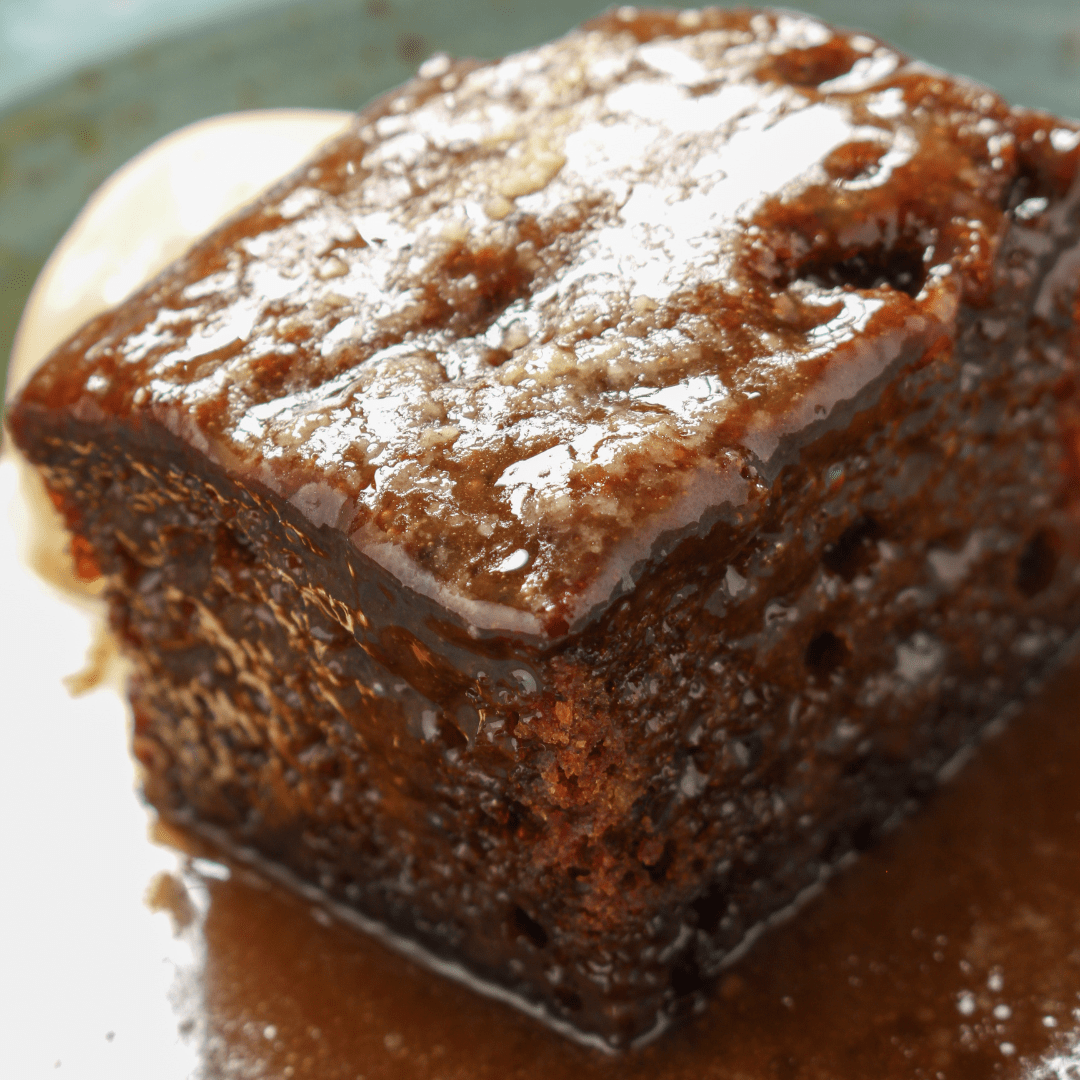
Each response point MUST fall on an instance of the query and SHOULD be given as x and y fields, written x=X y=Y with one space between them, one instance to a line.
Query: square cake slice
x=596 y=494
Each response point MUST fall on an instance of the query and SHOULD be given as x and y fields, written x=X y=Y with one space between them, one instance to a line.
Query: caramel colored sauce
x=952 y=950
x=525 y=318
x=871 y=981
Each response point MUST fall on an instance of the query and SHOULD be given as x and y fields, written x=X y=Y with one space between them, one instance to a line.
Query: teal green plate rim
x=60 y=143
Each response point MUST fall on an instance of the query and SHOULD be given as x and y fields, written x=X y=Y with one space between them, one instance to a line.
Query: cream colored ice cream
x=150 y=210
x=141 y=219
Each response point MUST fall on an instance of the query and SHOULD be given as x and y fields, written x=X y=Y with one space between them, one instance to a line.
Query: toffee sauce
x=950 y=951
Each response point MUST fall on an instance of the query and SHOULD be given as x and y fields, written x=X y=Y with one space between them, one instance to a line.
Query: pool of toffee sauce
x=950 y=952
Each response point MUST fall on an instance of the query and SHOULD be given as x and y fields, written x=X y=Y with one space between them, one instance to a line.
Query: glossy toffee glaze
x=849 y=397
x=529 y=316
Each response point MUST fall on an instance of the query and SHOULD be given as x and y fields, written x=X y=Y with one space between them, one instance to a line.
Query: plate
x=952 y=950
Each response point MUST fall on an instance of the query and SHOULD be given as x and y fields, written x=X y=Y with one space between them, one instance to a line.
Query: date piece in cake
x=595 y=495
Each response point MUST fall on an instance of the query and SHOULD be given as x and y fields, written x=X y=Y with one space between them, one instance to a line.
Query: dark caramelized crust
x=595 y=495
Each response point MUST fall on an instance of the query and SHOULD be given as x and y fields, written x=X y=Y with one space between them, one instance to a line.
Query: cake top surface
x=529 y=318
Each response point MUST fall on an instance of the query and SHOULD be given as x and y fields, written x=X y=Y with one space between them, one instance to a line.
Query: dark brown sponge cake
x=596 y=494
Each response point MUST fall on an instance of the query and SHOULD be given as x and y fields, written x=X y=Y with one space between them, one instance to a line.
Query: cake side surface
x=820 y=537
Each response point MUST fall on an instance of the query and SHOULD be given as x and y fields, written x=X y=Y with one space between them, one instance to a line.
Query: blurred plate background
x=125 y=958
